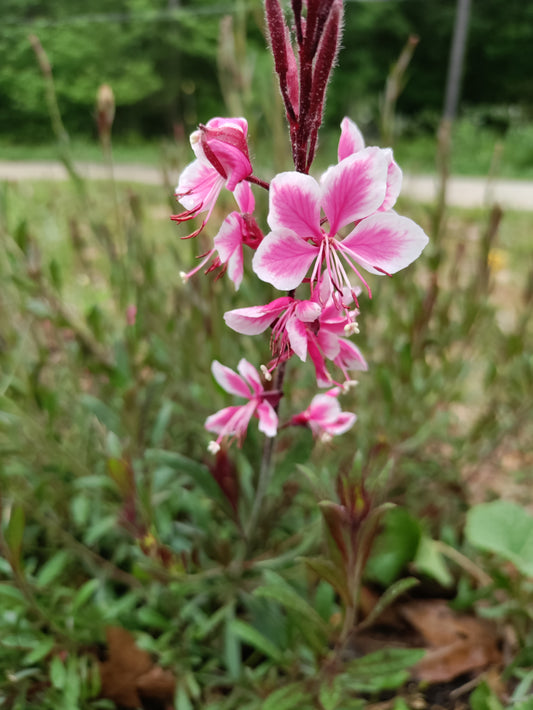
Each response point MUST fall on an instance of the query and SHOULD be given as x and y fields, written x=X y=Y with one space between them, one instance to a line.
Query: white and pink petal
x=297 y=332
x=294 y=203
x=354 y=188
x=253 y=320
x=351 y=140
x=268 y=419
x=229 y=380
x=385 y=242
x=283 y=259
x=250 y=374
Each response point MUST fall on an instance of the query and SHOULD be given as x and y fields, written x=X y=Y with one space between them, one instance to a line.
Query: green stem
x=265 y=471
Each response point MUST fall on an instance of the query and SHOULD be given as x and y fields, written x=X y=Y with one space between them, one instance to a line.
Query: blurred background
x=173 y=63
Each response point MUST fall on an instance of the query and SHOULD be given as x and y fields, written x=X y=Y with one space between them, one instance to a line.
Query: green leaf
x=387 y=598
x=329 y=572
x=232 y=646
x=41 y=650
x=255 y=638
x=484 y=699
x=383 y=670
x=429 y=560
x=394 y=547
x=14 y=534
x=162 y=422
x=52 y=568
x=58 y=673
x=198 y=473
x=152 y=618
x=84 y=593
x=504 y=528
x=102 y=527
x=330 y=694
x=12 y=593
x=102 y=412
x=181 y=699
x=277 y=588
x=289 y=697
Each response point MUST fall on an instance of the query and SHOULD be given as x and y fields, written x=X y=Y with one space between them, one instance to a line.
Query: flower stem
x=265 y=471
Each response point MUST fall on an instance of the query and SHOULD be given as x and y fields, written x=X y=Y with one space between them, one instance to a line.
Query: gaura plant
x=320 y=237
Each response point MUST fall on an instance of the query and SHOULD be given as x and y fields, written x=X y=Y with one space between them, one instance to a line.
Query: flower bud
x=222 y=141
x=105 y=106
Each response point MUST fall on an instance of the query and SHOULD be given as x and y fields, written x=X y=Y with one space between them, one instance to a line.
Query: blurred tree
x=152 y=54
x=160 y=57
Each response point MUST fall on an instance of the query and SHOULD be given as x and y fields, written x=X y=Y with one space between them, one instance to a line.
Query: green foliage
x=504 y=528
x=165 y=62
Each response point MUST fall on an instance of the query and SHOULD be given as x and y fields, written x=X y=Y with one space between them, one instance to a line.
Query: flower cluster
x=323 y=234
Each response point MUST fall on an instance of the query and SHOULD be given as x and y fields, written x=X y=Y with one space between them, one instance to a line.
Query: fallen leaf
x=457 y=643
x=129 y=676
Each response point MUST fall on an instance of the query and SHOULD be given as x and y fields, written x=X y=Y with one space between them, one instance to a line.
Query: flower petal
x=308 y=311
x=250 y=374
x=323 y=408
x=228 y=243
x=342 y=423
x=245 y=197
x=394 y=182
x=349 y=357
x=256 y=319
x=323 y=378
x=199 y=185
x=268 y=419
x=297 y=333
x=219 y=421
x=385 y=242
x=229 y=380
x=355 y=188
x=283 y=259
x=294 y=203
x=351 y=140
x=232 y=420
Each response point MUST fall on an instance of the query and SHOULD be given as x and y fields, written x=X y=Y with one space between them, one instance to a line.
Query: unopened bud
x=105 y=105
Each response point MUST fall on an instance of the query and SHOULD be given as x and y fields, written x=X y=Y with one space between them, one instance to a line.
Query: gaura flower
x=302 y=327
x=233 y=421
x=222 y=160
x=324 y=416
x=359 y=190
x=237 y=230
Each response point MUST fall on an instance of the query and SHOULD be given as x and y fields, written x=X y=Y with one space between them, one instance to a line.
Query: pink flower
x=301 y=327
x=359 y=189
x=222 y=160
x=324 y=416
x=237 y=230
x=233 y=421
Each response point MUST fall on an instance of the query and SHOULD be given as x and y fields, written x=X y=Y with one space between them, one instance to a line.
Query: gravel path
x=462 y=191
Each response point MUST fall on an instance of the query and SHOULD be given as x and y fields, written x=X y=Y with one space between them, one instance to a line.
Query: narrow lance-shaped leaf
x=14 y=534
